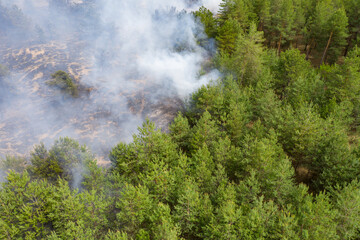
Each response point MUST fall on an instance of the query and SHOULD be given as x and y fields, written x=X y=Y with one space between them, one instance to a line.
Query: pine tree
x=134 y=210
x=328 y=28
x=180 y=131
x=205 y=132
x=188 y=209
x=246 y=61
x=163 y=226
x=346 y=201
x=227 y=36
x=208 y=20
x=352 y=8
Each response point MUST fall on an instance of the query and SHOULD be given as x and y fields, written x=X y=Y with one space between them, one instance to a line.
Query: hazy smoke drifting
x=135 y=53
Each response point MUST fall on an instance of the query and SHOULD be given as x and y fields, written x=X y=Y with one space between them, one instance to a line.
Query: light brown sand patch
x=39 y=75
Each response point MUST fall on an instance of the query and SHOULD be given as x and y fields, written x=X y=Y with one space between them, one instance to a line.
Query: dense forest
x=269 y=151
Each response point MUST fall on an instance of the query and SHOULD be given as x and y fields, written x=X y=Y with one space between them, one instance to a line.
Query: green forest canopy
x=269 y=151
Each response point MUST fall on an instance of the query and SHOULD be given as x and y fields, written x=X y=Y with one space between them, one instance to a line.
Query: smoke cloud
x=129 y=58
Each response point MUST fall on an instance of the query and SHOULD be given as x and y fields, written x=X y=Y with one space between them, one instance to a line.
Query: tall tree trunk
x=309 y=49
x=305 y=46
x=325 y=51
x=279 y=45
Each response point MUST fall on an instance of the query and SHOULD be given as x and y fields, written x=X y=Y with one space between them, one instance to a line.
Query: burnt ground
x=34 y=112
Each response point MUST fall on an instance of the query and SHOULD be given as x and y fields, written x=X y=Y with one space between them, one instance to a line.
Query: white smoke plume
x=139 y=49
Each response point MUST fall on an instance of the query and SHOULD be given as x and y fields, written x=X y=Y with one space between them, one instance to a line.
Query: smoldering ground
x=130 y=59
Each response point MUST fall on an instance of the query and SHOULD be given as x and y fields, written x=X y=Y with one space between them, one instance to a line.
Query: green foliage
x=206 y=17
x=77 y=213
x=316 y=218
x=342 y=82
x=163 y=225
x=116 y=236
x=338 y=24
x=269 y=151
x=292 y=70
x=180 y=131
x=149 y=145
x=264 y=160
x=227 y=35
x=227 y=222
x=12 y=163
x=209 y=98
x=281 y=26
x=246 y=61
x=63 y=81
x=65 y=159
x=187 y=211
x=36 y=209
x=159 y=180
x=23 y=208
x=135 y=206
x=261 y=222
x=353 y=13
x=205 y=132
x=238 y=10
x=328 y=25
x=346 y=201
x=262 y=10
x=94 y=178
x=321 y=146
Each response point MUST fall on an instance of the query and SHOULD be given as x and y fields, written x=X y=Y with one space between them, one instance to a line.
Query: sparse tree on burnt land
x=63 y=81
